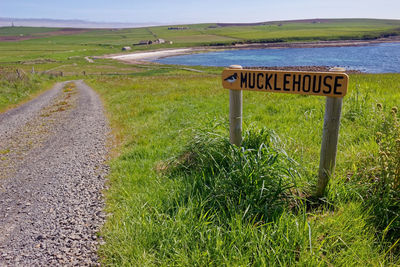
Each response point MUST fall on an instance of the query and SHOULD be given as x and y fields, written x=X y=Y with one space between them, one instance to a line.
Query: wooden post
x=330 y=137
x=18 y=74
x=235 y=113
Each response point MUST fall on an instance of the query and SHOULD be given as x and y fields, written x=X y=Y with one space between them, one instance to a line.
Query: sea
x=373 y=58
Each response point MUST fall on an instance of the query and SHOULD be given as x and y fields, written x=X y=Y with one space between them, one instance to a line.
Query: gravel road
x=52 y=173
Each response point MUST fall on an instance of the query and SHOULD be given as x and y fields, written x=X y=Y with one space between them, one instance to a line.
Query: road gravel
x=52 y=175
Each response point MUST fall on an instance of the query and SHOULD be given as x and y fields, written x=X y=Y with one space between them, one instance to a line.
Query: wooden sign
x=291 y=82
x=331 y=84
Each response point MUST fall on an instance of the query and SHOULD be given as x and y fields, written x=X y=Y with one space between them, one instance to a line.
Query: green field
x=24 y=31
x=181 y=195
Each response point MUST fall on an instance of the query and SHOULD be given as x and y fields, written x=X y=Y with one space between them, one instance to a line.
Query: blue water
x=379 y=58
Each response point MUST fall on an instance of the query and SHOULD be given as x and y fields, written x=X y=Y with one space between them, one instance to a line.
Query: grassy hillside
x=99 y=42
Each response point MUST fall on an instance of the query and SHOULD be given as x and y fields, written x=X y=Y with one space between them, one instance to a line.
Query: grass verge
x=18 y=88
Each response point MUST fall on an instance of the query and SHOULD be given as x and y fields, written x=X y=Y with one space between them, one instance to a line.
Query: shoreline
x=150 y=55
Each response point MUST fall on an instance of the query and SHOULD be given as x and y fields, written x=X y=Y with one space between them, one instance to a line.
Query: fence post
x=330 y=137
x=18 y=74
x=235 y=113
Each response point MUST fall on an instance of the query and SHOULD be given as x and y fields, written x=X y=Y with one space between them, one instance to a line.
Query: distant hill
x=314 y=21
x=57 y=23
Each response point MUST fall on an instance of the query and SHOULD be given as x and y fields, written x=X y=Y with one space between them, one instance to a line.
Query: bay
x=377 y=58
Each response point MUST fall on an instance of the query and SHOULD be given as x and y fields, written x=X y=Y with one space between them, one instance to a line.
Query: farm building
x=145 y=42
x=150 y=42
x=126 y=48
x=159 y=41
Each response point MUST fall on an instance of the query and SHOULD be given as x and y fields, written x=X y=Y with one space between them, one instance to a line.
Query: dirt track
x=52 y=173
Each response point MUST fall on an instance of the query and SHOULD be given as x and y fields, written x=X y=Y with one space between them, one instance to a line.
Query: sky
x=190 y=11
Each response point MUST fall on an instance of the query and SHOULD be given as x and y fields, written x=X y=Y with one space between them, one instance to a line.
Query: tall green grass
x=182 y=195
x=380 y=175
x=254 y=180
x=15 y=88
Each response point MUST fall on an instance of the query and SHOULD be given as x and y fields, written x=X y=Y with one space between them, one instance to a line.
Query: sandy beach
x=151 y=55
